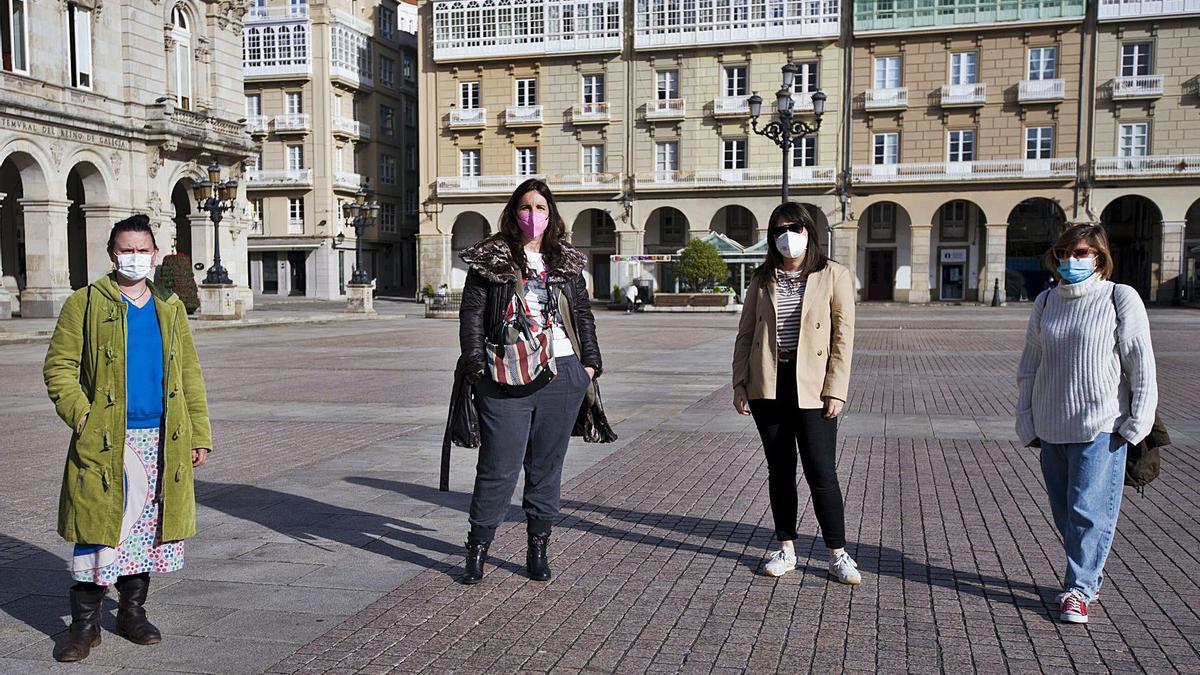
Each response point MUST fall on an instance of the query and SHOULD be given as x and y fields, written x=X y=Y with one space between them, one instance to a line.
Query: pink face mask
x=533 y=223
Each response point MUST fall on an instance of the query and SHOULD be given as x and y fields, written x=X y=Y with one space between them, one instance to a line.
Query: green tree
x=176 y=276
x=700 y=265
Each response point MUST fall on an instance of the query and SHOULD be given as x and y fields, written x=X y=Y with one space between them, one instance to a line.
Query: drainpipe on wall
x=847 y=41
x=1087 y=85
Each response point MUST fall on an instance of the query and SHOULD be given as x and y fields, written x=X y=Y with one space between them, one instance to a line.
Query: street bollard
x=996 y=294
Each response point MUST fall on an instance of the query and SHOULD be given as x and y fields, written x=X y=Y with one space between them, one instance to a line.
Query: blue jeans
x=1084 y=482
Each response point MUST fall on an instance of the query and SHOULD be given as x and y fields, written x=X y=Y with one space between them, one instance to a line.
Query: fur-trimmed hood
x=492 y=259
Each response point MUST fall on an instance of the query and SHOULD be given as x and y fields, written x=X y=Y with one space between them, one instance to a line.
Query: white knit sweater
x=1088 y=366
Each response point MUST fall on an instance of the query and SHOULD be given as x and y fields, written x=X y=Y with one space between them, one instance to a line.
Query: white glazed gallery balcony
x=467 y=118
x=292 y=123
x=666 y=109
x=992 y=169
x=345 y=126
x=469 y=30
x=1030 y=91
x=731 y=106
x=257 y=124
x=1136 y=9
x=1150 y=166
x=590 y=113
x=963 y=94
x=260 y=178
x=892 y=98
x=347 y=180
x=693 y=22
x=523 y=116
x=273 y=13
x=1138 y=86
x=716 y=178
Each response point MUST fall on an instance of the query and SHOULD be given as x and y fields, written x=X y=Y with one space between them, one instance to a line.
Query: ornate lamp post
x=787 y=129
x=216 y=197
x=360 y=215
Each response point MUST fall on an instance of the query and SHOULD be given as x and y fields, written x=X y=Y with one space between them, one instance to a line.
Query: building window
x=387 y=217
x=387 y=169
x=14 y=35
x=468 y=95
x=887 y=148
x=593 y=159
x=526 y=93
x=671 y=227
x=468 y=163
x=410 y=157
x=604 y=230
x=954 y=221
x=1043 y=63
x=410 y=202
x=804 y=152
x=295 y=157
x=386 y=18
x=887 y=72
x=254 y=105
x=963 y=69
x=960 y=146
x=881 y=223
x=666 y=156
x=407 y=65
x=1133 y=140
x=294 y=103
x=526 y=161
x=667 y=84
x=410 y=113
x=735 y=82
x=807 y=79
x=387 y=72
x=351 y=51
x=256 y=216
x=739 y=226
x=80 y=26
x=1135 y=59
x=1039 y=142
x=295 y=215
x=254 y=162
x=387 y=120
x=593 y=88
x=734 y=154
x=182 y=35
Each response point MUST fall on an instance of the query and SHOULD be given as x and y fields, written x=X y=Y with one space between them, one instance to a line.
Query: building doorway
x=881 y=272
x=953 y=282
x=299 y=275
x=270 y=273
x=181 y=200
x=1033 y=226
x=1133 y=224
x=76 y=231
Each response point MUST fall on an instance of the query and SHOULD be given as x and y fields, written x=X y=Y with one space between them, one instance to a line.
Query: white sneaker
x=780 y=563
x=844 y=570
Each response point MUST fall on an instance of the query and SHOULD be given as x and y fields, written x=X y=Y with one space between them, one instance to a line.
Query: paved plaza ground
x=324 y=545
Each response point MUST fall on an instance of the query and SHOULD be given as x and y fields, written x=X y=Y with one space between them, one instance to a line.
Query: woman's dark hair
x=135 y=223
x=814 y=256
x=556 y=230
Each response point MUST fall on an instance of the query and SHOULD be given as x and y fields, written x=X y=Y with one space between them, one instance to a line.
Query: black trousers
x=789 y=431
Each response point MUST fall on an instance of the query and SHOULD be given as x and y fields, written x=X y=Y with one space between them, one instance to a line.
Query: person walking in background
x=1087 y=389
x=791 y=370
x=631 y=297
x=123 y=373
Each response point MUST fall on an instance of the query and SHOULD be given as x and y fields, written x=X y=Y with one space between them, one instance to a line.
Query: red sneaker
x=1074 y=608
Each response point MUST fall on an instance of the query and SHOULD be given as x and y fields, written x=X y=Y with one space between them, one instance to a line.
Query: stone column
x=201 y=243
x=6 y=298
x=845 y=245
x=995 y=262
x=434 y=259
x=100 y=220
x=48 y=283
x=1173 y=253
x=919 y=251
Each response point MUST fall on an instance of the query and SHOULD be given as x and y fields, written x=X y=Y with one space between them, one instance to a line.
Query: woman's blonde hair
x=1088 y=233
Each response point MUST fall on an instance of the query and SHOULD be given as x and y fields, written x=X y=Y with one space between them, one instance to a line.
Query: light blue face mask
x=1075 y=270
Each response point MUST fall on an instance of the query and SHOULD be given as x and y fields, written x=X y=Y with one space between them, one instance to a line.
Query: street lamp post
x=788 y=128
x=360 y=215
x=216 y=197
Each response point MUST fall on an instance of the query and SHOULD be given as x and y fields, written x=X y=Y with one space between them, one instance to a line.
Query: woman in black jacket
x=525 y=431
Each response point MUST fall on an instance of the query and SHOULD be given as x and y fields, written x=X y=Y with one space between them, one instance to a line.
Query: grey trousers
x=530 y=432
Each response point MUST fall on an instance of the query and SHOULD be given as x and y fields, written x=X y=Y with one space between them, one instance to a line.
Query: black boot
x=535 y=559
x=476 y=555
x=131 y=617
x=85 y=622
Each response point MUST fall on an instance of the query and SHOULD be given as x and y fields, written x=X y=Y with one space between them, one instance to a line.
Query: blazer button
x=820 y=352
x=174 y=435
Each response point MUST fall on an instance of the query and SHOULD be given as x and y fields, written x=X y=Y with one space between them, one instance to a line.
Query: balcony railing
x=278 y=178
x=351 y=127
x=468 y=117
x=279 y=68
x=1138 y=86
x=891 y=15
x=590 y=113
x=586 y=181
x=693 y=22
x=994 y=169
x=523 y=115
x=963 y=94
x=1041 y=90
x=347 y=180
x=291 y=123
x=473 y=29
x=1150 y=166
x=731 y=106
x=714 y=178
x=802 y=101
x=665 y=109
x=1136 y=9
x=257 y=124
x=886 y=99
x=604 y=180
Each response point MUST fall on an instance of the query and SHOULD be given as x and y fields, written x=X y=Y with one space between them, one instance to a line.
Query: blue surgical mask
x=1075 y=270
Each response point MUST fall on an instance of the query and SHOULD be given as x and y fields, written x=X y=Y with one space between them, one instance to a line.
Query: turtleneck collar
x=1090 y=285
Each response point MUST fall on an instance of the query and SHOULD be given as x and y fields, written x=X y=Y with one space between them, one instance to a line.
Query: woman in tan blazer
x=791 y=370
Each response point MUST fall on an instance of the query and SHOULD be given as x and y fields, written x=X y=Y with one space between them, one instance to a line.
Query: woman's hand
x=199 y=456
x=833 y=407
x=591 y=372
x=740 y=403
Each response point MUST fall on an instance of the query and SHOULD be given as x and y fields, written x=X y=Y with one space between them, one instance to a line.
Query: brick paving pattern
x=657 y=555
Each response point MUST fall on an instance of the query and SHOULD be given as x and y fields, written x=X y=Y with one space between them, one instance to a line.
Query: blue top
x=143 y=368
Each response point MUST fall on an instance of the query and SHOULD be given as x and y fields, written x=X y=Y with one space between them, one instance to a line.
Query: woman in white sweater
x=1087 y=390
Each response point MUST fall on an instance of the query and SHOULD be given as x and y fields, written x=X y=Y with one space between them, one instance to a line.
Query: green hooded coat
x=85 y=375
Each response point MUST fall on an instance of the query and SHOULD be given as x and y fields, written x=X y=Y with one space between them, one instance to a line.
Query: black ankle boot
x=535 y=559
x=85 y=622
x=132 y=623
x=476 y=555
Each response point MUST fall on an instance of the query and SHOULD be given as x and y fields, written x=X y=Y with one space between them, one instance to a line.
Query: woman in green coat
x=123 y=373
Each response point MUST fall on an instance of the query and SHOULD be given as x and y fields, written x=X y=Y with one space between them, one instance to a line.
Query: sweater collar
x=1088 y=286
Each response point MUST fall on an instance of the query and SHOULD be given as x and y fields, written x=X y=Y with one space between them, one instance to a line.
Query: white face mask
x=792 y=244
x=135 y=266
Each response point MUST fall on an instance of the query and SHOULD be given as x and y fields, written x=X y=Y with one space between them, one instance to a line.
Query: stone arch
x=956 y=250
x=666 y=230
x=469 y=228
x=594 y=233
x=29 y=162
x=181 y=215
x=736 y=222
x=1191 y=252
x=1134 y=227
x=1033 y=225
x=89 y=217
x=22 y=176
x=885 y=250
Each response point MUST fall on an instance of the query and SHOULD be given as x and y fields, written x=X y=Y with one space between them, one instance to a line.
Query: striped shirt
x=789 y=300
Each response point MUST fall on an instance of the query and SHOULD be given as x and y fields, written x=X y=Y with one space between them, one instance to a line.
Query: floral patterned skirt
x=139 y=549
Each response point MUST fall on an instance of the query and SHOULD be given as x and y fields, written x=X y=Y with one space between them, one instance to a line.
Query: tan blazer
x=826 y=339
